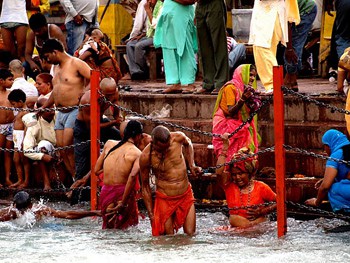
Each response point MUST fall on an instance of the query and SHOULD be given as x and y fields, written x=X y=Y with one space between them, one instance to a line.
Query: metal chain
x=244 y=157
x=318 y=103
x=69 y=108
x=304 y=152
x=320 y=211
x=177 y=126
x=55 y=149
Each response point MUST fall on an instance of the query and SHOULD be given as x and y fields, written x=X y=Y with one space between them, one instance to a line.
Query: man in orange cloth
x=174 y=202
x=119 y=163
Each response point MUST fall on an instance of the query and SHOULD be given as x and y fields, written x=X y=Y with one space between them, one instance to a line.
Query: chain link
x=244 y=157
x=67 y=109
x=177 y=126
x=304 y=152
x=318 y=103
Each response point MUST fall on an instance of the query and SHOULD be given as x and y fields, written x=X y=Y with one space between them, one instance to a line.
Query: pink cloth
x=128 y=217
x=245 y=137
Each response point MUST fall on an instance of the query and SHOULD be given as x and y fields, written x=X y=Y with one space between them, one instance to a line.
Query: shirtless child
x=71 y=78
x=22 y=203
x=6 y=122
x=174 y=203
x=17 y=98
x=120 y=166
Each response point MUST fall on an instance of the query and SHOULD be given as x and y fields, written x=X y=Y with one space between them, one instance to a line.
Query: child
x=17 y=98
x=92 y=43
x=6 y=123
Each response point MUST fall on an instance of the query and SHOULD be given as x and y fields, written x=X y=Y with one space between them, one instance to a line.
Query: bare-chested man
x=6 y=125
x=119 y=163
x=71 y=76
x=174 y=203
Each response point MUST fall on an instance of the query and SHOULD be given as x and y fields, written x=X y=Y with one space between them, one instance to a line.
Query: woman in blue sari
x=335 y=183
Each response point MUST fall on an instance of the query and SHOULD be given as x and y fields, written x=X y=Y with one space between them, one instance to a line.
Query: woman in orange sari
x=235 y=102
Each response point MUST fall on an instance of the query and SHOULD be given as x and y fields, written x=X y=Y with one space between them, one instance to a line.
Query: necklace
x=250 y=188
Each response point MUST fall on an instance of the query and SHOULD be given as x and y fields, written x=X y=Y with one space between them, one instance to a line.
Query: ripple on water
x=57 y=240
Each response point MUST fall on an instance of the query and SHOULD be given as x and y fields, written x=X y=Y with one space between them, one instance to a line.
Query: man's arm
x=84 y=70
x=189 y=154
x=146 y=189
x=68 y=7
x=56 y=32
x=99 y=163
x=223 y=176
x=70 y=214
x=7 y=214
x=29 y=51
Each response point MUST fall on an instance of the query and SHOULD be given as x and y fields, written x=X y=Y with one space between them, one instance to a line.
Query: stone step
x=296 y=163
x=297 y=134
x=199 y=107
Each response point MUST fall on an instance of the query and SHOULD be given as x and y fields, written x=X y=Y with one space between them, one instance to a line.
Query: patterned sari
x=230 y=93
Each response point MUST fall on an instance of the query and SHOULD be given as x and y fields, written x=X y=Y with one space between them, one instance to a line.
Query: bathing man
x=119 y=163
x=174 y=202
x=22 y=203
x=71 y=76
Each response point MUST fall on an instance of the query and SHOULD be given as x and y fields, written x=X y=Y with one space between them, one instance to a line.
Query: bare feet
x=15 y=185
x=8 y=183
x=190 y=88
x=23 y=185
x=47 y=188
x=176 y=88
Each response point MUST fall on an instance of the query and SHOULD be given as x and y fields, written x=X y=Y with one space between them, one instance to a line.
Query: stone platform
x=305 y=124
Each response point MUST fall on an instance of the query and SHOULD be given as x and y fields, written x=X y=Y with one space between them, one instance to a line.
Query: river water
x=60 y=240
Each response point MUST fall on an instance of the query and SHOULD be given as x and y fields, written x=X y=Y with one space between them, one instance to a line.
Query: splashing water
x=59 y=240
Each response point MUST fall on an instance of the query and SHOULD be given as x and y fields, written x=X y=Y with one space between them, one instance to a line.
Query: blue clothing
x=176 y=34
x=339 y=196
x=336 y=140
x=339 y=193
x=299 y=36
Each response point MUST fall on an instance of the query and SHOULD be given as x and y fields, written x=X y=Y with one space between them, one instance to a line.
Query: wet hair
x=132 y=129
x=22 y=200
x=17 y=95
x=5 y=73
x=51 y=45
x=160 y=134
x=37 y=21
x=46 y=77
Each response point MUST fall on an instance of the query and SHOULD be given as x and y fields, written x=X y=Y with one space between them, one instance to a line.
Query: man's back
x=117 y=166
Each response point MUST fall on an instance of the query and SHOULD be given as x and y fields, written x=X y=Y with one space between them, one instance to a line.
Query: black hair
x=5 y=57
x=22 y=200
x=5 y=73
x=17 y=95
x=37 y=21
x=132 y=129
x=51 y=45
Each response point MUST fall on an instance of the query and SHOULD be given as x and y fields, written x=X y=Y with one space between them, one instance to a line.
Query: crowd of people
x=59 y=77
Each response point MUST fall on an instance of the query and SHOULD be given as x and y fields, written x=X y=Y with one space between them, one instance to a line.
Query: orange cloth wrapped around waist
x=166 y=206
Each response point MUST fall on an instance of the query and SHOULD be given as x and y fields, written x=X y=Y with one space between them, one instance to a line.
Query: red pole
x=94 y=133
x=280 y=162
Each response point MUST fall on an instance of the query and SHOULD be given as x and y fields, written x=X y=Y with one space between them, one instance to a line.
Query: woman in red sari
x=248 y=199
x=235 y=102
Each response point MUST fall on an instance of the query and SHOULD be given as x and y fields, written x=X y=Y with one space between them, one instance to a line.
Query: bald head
x=161 y=134
x=108 y=83
x=97 y=33
x=109 y=89
x=16 y=67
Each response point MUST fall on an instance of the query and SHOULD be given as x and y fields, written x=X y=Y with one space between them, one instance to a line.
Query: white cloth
x=263 y=20
x=140 y=20
x=41 y=131
x=87 y=45
x=28 y=88
x=18 y=136
x=14 y=11
x=85 y=8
